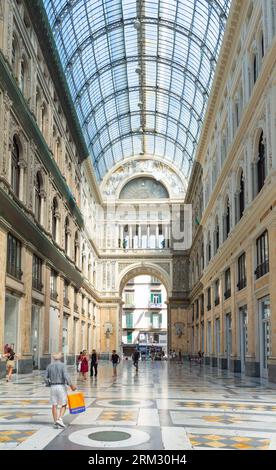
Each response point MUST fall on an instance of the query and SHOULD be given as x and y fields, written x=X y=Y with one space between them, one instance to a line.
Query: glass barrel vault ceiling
x=140 y=73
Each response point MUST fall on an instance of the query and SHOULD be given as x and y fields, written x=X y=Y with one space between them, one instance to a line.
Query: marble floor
x=165 y=406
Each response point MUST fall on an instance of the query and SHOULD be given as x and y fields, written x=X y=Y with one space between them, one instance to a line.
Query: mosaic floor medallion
x=125 y=403
x=109 y=437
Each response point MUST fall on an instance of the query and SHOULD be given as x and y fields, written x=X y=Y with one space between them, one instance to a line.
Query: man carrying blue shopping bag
x=57 y=378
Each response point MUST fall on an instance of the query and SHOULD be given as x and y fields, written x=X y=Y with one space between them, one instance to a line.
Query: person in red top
x=84 y=364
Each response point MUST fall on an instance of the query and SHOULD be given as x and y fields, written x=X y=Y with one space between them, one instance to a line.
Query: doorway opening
x=144 y=317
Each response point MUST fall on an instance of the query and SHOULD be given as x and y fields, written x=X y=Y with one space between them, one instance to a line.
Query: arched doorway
x=144 y=317
x=144 y=290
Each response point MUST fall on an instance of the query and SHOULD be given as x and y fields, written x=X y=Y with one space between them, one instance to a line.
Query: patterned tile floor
x=164 y=406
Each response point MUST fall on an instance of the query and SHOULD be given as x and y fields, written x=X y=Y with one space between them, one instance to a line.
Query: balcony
x=227 y=294
x=241 y=284
x=76 y=307
x=262 y=269
x=37 y=284
x=14 y=271
x=155 y=305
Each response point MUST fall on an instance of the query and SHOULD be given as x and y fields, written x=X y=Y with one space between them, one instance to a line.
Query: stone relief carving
x=159 y=170
x=122 y=266
x=180 y=274
x=165 y=267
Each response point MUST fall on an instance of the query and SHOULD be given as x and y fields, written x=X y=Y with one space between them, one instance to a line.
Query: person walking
x=84 y=364
x=79 y=363
x=135 y=358
x=57 y=378
x=115 y=359
x=180 y=356
x=10 y=355
x=94 y=363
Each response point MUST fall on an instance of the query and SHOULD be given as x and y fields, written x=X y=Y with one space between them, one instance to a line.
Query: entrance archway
x=143 y=318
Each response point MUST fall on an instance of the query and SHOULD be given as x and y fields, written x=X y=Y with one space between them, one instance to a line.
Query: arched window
x=38 y=198
x=22 y=81
x=255 y=68
x=54 y=219
x=57 y=151
x=76 y=248
x=216 y=235
x=241 y=196
x=83 y=259
x=15 y=170
x=262 y=44
x=38 y=107
x=14 y=57
x=67 y=236
x=261 y=162
x=44 y=120
x=208 y=248
x=226 y=219
x=90 y=272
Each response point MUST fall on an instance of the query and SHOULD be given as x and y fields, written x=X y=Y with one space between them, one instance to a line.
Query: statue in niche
x=179 y=329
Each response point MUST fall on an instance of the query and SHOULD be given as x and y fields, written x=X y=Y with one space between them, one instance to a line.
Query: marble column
x=25 y=362
x=46 y=319
x=272 y=282
x=235 y=362
x=252 y=366
x=272 y=123
x=139 y=236
x=116 y=236
x=157 y=236
x=22 y=166
x=166 y=236
x=3 y=264
x=122 y=235
x=130 y=237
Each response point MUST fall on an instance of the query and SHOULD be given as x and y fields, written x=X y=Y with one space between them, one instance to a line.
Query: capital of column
x=22 y=164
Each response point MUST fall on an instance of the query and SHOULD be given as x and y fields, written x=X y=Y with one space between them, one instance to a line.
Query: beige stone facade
x=232 y=264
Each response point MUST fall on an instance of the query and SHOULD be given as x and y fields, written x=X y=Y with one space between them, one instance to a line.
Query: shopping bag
x=76 y=403
x=79 y=366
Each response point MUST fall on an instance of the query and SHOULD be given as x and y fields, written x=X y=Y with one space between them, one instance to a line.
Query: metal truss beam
x=146 y=58
x=137 y=113
x=105 y=30
x=161 y=90
x=133 y=133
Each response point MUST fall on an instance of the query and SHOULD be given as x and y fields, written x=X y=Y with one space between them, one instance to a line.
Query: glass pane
x=154 y=100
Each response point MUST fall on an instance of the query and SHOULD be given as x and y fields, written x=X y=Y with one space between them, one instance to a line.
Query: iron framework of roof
x=139 y=72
